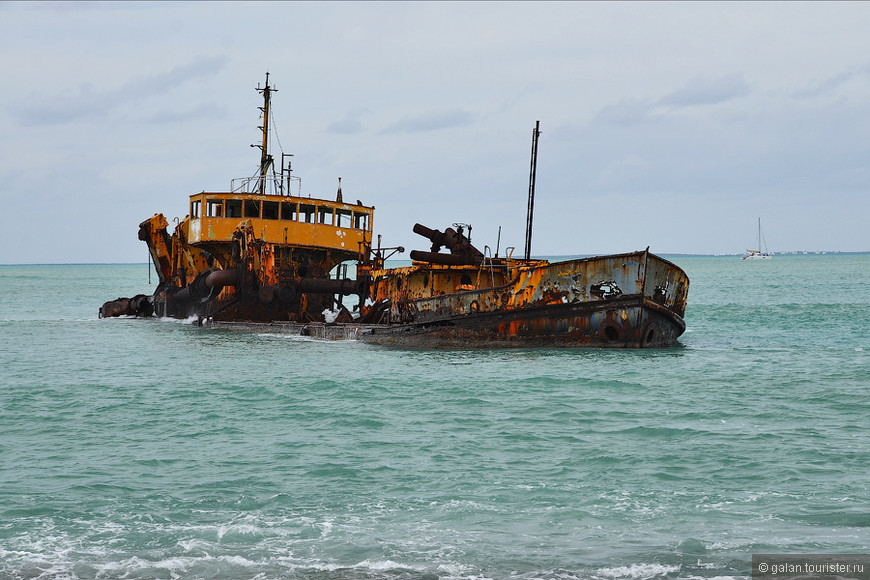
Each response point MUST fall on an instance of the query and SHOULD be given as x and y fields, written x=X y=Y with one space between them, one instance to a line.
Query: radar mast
x=266 y=161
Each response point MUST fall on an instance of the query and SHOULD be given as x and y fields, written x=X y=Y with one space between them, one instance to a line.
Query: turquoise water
x=157 y=449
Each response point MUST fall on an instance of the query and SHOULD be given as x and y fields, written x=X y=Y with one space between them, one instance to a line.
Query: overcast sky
x=670 y=125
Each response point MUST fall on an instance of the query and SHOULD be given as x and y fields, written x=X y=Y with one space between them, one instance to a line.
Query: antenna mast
x=265 y=158
x=532 y=174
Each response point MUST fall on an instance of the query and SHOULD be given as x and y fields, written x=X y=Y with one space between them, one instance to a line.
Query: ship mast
x=265 y=159
x=536 y=132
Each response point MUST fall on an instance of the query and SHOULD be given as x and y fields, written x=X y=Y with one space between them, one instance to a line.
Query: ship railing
x=487 y=261
x=268 y=184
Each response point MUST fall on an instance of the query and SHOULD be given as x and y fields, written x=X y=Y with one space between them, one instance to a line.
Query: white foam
x=638 y=571
x=383 y=565
x=455 y=570
x=190 y=320
x=304 y=338
x=242 y=529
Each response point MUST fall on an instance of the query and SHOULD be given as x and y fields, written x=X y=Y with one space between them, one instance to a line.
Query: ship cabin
x=283 y=220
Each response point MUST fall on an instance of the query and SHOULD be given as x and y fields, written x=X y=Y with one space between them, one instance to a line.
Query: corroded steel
x=153 y=232
x=461 y=250
x=632 y=300
x=624 y=300
x=139 y=305
x=629 y=300
x=265 y=257
x=255 y=253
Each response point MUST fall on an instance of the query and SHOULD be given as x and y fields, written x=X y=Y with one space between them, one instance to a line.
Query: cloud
x=432 y=121
x=349 y=124
x=821 y=87
x=698 y=91
x=59 y=109
x=626 y=112
x=206 y=111
x=703 y=90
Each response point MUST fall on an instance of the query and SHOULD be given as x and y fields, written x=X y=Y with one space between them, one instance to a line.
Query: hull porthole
x=612 y=332
x=649 y=335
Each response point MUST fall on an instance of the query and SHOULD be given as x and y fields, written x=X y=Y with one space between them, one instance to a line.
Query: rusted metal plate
x=634 y=300
x=624 y=323
x=460 y=299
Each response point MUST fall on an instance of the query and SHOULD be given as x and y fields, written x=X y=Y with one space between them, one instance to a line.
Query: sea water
x=154 y=448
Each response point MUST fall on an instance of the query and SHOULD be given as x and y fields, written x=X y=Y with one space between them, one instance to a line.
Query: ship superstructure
x=256 y=252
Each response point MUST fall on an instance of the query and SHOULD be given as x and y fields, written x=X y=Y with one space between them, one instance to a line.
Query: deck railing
x=268 y=184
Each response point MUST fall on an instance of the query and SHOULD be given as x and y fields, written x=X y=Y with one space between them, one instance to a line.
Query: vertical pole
x=759 y=234
x=532 y=174
x=265 y=158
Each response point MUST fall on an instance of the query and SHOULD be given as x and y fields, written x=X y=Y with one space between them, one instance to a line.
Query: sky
x=672 y=125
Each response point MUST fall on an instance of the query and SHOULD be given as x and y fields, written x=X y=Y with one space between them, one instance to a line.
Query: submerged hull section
x=632 y=300
x=624 y=323
x=626 y=300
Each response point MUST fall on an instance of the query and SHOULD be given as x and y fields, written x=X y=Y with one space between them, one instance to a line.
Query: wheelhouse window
x=214 y=208
x=306 y=213
x=194 y=209
x=288 y=211
x=234 y=208
x=325 y=215
x=252 y=208
x=270 y=210
x=343 y=218
x=361 y=220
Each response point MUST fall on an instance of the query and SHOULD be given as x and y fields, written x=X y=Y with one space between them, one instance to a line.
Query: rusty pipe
x=221 y=278
x=454 y=241
x=206 y=285
x=139 y=305
x=448 y=238
x=432 y=235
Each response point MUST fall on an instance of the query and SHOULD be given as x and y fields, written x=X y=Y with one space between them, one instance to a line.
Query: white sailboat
x=758 y=254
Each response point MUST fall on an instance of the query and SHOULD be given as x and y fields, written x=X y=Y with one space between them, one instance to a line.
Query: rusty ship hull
x=575 y=325
x=633 y=300
x=261 y=256
x=630 y=300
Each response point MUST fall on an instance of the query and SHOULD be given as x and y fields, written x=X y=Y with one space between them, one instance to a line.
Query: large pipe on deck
x=433 y=236
x=461 y=250
x=449 y=238
x=221 y=278
x=207 y=284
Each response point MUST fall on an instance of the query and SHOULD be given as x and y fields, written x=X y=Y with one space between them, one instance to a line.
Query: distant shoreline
x=545 y=257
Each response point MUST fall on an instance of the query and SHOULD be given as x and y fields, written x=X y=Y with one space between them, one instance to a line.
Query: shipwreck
x=260 y=256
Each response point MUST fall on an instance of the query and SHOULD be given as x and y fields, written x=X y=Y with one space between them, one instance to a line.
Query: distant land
x=792 y=253
x=545 y=257
x=789 y=253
